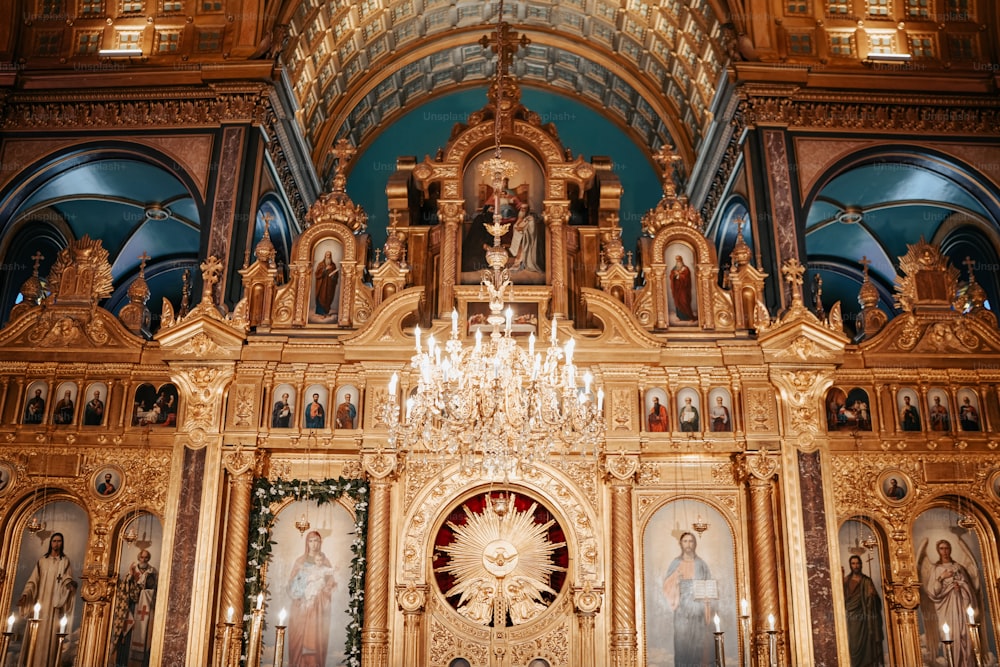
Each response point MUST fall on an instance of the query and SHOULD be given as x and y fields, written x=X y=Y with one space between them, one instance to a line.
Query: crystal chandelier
x=496 y=406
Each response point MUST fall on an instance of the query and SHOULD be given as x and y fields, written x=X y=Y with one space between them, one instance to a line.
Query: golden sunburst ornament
x=501 y=564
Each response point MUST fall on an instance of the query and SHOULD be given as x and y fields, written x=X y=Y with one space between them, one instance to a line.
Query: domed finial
x=138 y=291
x=868 y=295
x=265 y=251
x=741 y=254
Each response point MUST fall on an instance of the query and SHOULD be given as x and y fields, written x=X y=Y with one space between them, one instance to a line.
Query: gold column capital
x=380 y=466
x=759 y=466
x=621 y=467
x=411 y=598
x=239 y=462
x=587 y=599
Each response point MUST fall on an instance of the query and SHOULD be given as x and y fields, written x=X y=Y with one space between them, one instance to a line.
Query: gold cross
x=793 y=271
x=504 y=42
x=969 y=263
x=343 y=151
x=864 y=264
x=38 y=257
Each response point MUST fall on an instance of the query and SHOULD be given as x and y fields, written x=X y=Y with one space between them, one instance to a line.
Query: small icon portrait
x=64 y=411
x=938 y=415
x=657 y=416
x=93 y=409
x=314 y=413
x=346 y=415
x=34 y=406
x=895 y=485
x=107 y=482
x=6 y=478
x=968 y=410
x=909 y=414
x=284 y=406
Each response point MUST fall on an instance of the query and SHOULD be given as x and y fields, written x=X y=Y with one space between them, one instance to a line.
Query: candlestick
x=227 y=638
x=5 y=640
x=253 y=649
x=974 y=636
x=61 y=641
x=772 y=642
x=747 y=639
x=720 y=646
x=947 y=651
x=279 y=641
x=38 y=610
x=30 y=639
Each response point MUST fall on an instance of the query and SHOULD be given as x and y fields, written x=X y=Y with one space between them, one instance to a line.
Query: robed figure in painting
x=310 y=587
x=693 y=639
x=951 y=590
x=657 y=419
x=327 y=275
x=53 y=587
x=864 y=617
x=680 y=289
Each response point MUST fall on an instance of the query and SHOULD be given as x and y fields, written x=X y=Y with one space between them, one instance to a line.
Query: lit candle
x=770 y=622
x=570 y=346
x=946 y=631
x=38 y=609
x=531 y=345
x=972 y=615
x=281 y=616
x=553 y=329
x=510 y=318
x=454 y=322
x=587 y=380
x=229 y=614
x=62 y=624
x=744 y=607
x=409 y=407
x=600 y=399
x=10 y=623
x=718 y=623
x=393 y=381
x=416 y=333
x=260 y=600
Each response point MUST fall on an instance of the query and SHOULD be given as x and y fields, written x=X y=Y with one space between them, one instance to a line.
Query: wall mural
x=952 y=579
x=48 y=572
x=312 y=549
x=689 y=575
x=864 y=599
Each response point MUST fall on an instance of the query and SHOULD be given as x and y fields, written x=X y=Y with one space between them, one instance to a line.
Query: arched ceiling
x=653 y=66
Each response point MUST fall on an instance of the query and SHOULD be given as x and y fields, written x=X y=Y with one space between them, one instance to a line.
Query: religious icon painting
x=324 y=297
x=7 y=477
x=107 y=481
x=952 y=579
x=64 y=410
x=688 y=570
x=720 y=410
x=155 y=407
x=682 y=290
x=35 y=402
x=283 y=406
x=689 y=417
x=314 y=412
x=864 y=598
x=895 y=485
x=657 y=411
x=308 y=576
x=907 y=408
x=849 y=411
x=346 y=415
x=49 y=570
x=969 y=416
x=96 y=403
x=938 y=410
x=141 y=544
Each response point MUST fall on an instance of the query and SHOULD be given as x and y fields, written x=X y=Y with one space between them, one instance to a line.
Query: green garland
x=267 y=494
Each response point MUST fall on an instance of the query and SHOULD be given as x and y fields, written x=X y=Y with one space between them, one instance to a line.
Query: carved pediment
x=929 y=281
x=201 y=337
x=948 y=334
x=803 y=341
x=48 y=331
x=81 y=273
x=620 y=330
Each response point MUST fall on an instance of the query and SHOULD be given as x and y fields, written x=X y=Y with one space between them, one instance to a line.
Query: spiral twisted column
x=375 y=633
x=621 y=473
x=451 y=214
x=760 y=471
x=239 y=469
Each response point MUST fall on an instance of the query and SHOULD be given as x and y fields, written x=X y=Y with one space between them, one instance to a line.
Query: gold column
x=239 y=467
x=556 y=217
x=587 y=603
x=451 y=214
x=905 y=598
x=97 y=592
x=759 y=472
x=375 y=633
x=621 y=473
x=412 y=600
